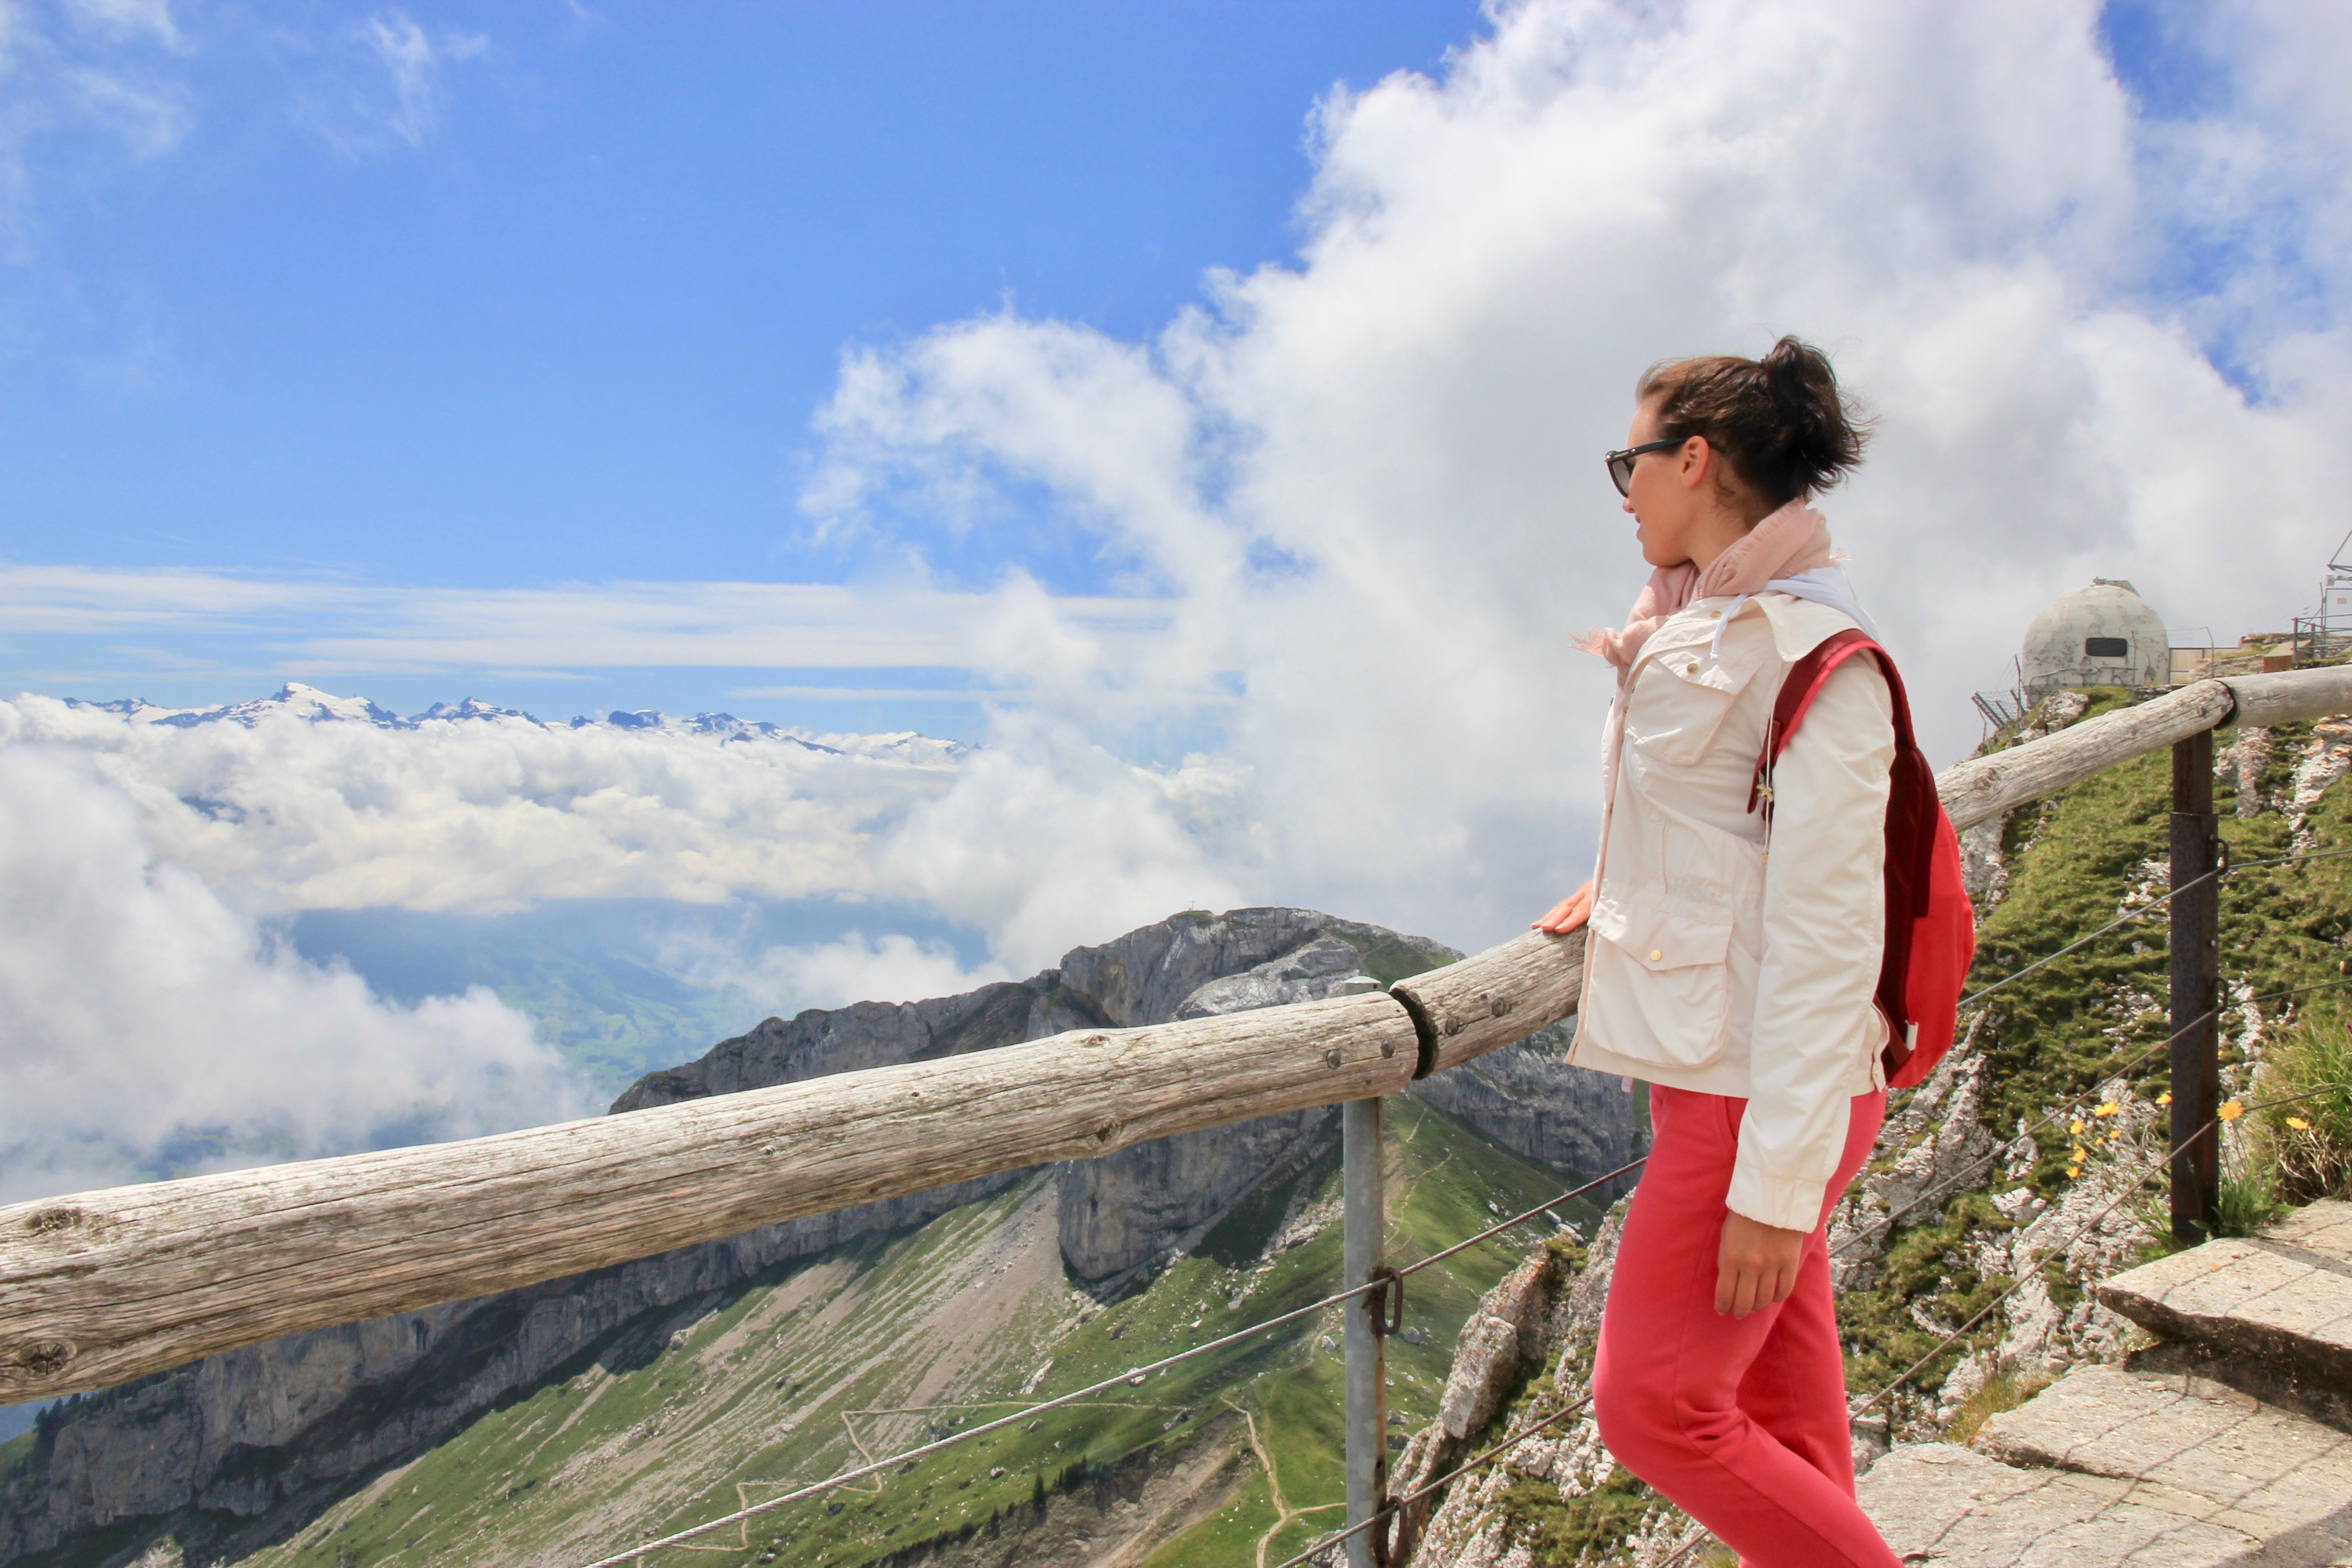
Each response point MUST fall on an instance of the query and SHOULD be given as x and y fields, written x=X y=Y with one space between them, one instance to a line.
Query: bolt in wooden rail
x=99 y=1288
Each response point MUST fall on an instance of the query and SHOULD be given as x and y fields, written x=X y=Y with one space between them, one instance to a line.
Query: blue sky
x=474 y=296
x=328 y=313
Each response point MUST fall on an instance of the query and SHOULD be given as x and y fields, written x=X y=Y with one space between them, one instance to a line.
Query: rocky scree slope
x=256 y=1433
x=2079 y=1043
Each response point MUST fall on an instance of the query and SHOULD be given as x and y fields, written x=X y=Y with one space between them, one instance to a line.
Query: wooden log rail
x=99 y=1288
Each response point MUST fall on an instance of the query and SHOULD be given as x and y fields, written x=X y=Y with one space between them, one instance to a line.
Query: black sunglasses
x=1621 y=464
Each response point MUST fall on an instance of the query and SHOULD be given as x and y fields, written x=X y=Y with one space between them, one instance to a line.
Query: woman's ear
x=1697 y=462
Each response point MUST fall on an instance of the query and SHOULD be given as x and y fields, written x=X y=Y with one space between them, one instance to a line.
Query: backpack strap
x=1913 y=809
x=1801 y=685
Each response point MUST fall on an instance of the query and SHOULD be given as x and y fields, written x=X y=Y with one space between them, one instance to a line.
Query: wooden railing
x=102 y=1287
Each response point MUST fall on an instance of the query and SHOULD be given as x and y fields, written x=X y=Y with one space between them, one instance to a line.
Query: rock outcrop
x=1529 y=1100
x=1125 y=1211
x=1130 y=1209
x=245 y=1431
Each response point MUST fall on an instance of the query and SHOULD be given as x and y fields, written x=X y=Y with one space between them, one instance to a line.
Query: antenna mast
x=2328 y=632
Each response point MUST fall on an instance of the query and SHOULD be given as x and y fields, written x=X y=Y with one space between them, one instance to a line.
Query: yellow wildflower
x=2073 y=1170
x=2080 y=1153
x=2165 y=1099
x=2298 y=1123
x=2107 y=1110
x=2075 y=1126
x=2231 y=1111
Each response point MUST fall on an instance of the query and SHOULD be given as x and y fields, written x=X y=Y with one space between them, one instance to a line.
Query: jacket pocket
x=1682 y=699
x=1669 y=997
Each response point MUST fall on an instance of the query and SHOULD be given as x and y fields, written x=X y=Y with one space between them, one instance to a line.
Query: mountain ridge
x=308 y=704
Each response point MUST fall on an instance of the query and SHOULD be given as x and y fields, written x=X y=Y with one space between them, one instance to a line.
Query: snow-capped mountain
x=311 y=705
x=299 y=701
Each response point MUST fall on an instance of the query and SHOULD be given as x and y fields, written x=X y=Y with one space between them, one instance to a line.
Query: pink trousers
x=1741 y=1422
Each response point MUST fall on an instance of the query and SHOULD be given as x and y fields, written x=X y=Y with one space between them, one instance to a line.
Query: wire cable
x=1970 y=1173
x=2140 y=913
x=1390 y=1505
x=1984 y=1162
x=1025 y=1412
x=1886 y=1226
x=2059 y=1250
x=2080 y=1231
x=1520 y=1218
x=1900 y=1379
x=1108 y=1384
x=2290 y=859
x=2225 y=870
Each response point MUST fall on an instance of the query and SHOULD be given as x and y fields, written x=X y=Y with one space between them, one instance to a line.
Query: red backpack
x=1931 y=927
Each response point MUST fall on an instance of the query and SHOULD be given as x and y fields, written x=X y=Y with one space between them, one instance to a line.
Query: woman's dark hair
x=1781 y=424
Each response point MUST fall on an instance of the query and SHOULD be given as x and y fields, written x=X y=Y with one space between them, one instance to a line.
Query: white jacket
x=1724 y=957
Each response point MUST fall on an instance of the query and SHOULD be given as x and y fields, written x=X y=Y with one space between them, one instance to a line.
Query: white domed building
x=2105 y=634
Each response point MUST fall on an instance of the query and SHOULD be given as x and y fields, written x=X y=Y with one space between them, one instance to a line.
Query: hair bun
x=1794 y=372
x=1781 y=423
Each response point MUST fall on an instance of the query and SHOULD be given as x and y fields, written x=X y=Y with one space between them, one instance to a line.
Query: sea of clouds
x=1359 y=494
x=151 y=1028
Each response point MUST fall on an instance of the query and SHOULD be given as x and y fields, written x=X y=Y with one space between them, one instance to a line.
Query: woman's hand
x=1756 y=1265
x=1568 y=913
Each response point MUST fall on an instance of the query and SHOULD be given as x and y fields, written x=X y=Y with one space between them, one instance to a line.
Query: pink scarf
x=1792 y=539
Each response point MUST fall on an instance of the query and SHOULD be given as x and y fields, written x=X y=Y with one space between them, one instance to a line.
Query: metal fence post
x=2196 y=992
x=1363 y=1221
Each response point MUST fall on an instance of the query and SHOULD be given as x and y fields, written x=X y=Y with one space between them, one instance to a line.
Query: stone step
x=2283 y=1298
x=2108 y=1467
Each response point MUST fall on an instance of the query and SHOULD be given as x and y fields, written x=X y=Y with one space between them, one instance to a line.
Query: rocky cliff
x=243 y=1432
x=1527 y=1098
x=1124 y=1211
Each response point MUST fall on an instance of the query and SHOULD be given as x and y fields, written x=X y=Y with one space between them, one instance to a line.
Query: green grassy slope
x=616 y=1024
x=2053 y=1038
x=800 y=1373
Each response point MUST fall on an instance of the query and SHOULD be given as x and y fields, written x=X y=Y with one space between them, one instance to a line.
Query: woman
x=1732 y=957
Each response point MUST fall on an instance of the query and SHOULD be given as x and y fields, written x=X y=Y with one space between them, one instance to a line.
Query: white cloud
x=150 y=1026
x=384 y=83
x=328 y=627
x=150 y=120
x=879 y=694
x=97 y=73
x=1043 y=841
x=128 y=19
x=1367 y=482
x=855 y=968
x=414 y=61
x=487 y=813
x=1048 y=840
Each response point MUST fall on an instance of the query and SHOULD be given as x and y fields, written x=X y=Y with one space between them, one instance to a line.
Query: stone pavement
x=2284 y=1297
x=2225 y=1446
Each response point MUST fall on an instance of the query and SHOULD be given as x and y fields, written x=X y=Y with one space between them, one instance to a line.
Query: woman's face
x=1663 y=499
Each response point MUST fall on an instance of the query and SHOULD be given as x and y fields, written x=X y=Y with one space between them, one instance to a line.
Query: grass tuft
x=2001 y=1390
x=2308 y=1143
